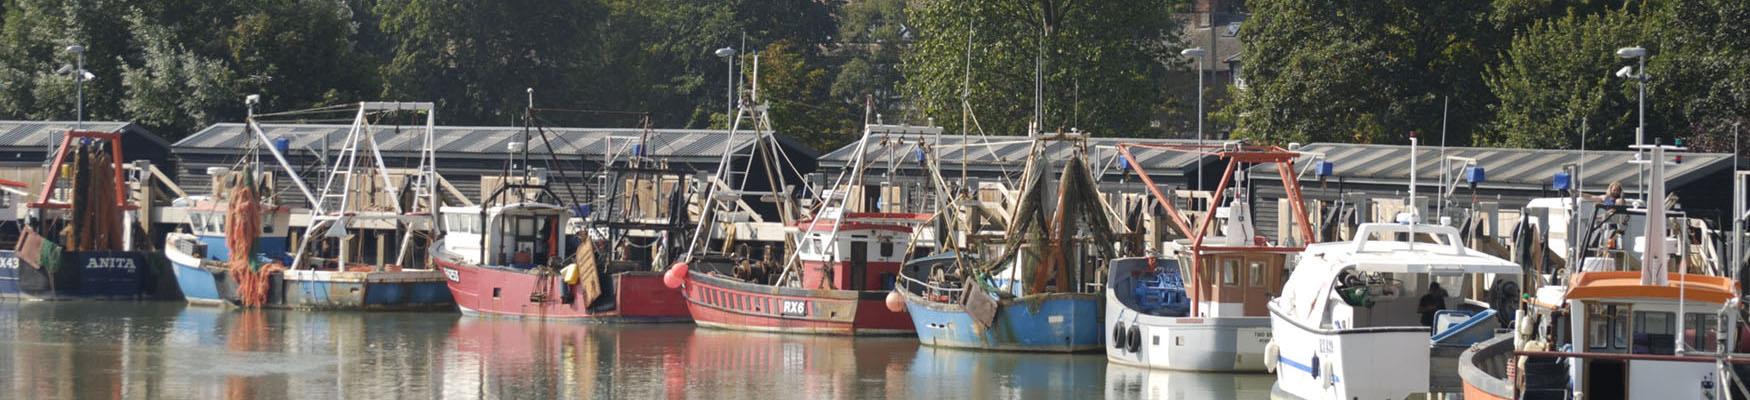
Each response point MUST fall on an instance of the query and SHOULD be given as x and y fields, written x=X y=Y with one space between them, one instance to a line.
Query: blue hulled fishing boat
x=1041 y=291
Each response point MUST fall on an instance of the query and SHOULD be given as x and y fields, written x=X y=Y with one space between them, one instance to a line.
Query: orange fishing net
x=242 y=228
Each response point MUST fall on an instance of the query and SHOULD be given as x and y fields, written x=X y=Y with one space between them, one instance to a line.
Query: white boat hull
x=1369 y=363
x=1222 y=344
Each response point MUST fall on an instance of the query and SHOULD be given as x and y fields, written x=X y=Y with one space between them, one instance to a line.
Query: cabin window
x=1655 y=333
x=267 y=223
x=886 y=249
x=1256 y=274
x=1701 y=331
x=198 y=221
x=221 y=223
x=1230 y=271
x=1607 y=327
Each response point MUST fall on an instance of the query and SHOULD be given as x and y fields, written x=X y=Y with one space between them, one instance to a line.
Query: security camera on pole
x=1640 y=77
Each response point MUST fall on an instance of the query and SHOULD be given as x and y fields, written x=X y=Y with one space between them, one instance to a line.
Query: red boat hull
x=718 y=302
x=639 y=296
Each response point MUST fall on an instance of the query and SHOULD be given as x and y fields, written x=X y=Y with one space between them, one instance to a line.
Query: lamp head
x=76 y=49
x=1197 y=52
x=1631 y=52
x=726 y=52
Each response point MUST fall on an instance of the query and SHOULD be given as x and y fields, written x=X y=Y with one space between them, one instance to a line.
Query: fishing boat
x=518 y=254
x=1371 y=318
x=1622 y=323
x=1040 y=289
x=1232 y=276
x=359 y=204
x=81 y=238
x=836 y=281
x=201 y=256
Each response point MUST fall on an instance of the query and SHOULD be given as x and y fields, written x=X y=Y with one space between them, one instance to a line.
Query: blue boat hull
x=1060 y=322
x=398 y=290
x=82 y=275
x=202 y=286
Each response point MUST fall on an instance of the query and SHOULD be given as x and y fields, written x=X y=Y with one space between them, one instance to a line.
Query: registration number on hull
x=794 y=308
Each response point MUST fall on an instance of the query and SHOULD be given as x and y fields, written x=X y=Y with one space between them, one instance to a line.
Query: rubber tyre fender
x=1134 y=343
x=1118 y=338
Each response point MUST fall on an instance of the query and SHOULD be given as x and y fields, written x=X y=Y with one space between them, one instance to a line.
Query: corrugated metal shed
x=1004 y=153
x=686 y=145
x=1506 y=169
x=29 y=141
x=1513 y=176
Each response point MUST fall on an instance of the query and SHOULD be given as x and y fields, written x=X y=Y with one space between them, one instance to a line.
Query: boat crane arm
x=291 y=173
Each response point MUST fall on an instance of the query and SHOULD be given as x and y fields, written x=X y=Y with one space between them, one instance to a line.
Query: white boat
x=1347 y=324
x=1227 y=278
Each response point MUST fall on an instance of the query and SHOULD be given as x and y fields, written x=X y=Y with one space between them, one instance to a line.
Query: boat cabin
x=1628 y=324
x=519 y=235
x=206 y=220
x=865 y=254
x=1380 y=278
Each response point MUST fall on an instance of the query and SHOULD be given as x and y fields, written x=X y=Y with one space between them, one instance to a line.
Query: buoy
x=676 y=275
x=1272 y=355
x=895 y=302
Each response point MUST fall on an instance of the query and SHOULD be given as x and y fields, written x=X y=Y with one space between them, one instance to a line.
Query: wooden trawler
x=326 y=270
x=1232 y=276
x=518 y=254
x=81 y=239
x=1038 y=291
x=835 y=282
x=1623 y=323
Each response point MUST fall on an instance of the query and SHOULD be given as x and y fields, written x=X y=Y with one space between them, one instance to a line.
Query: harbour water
x=151 y=350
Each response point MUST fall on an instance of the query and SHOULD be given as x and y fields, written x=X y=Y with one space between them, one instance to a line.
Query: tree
x=872 y=35
x=173 y=90
x=1545 y=94
x=1346 y=71
x=801 y=103
x=475 y=58
x=1101 y=63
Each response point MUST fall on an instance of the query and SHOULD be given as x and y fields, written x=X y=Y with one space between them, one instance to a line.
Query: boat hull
x=1224 y=344
x=326 y=290
x=727 y=304
x=1367 y=363
x=88 y=275
x=501 y=292
x=1060 y=322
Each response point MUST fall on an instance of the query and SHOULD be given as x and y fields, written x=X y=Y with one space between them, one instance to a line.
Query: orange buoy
x=895 y=302
x=676 y=275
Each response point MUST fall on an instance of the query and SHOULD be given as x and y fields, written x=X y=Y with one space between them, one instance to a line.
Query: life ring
x=1271 y=356
x=1118 y=336
x=1135 y=342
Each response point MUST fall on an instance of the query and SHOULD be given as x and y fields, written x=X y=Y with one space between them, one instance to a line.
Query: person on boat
x=1612 y=195
x=1432 y=303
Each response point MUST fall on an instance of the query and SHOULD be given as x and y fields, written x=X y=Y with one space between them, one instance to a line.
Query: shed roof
x=999 y=152
x=38 y=134
x=489 y=142
x=1504 y=168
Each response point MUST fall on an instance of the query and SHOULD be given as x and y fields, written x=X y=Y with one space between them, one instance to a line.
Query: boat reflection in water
x=1127 y=382
x=168 y=350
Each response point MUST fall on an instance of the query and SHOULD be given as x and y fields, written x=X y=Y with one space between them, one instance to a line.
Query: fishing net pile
x=244 y=228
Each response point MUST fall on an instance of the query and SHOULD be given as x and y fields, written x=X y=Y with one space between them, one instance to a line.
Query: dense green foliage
x=1523 y=73
x=1101 y=63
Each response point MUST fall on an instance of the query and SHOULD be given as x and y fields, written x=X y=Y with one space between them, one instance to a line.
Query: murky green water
x=171 y=351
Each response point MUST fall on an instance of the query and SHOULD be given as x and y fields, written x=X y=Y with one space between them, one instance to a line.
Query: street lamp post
x=1200 y=55
x=728 y=56
x=78 y=85
x=1640 y=76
